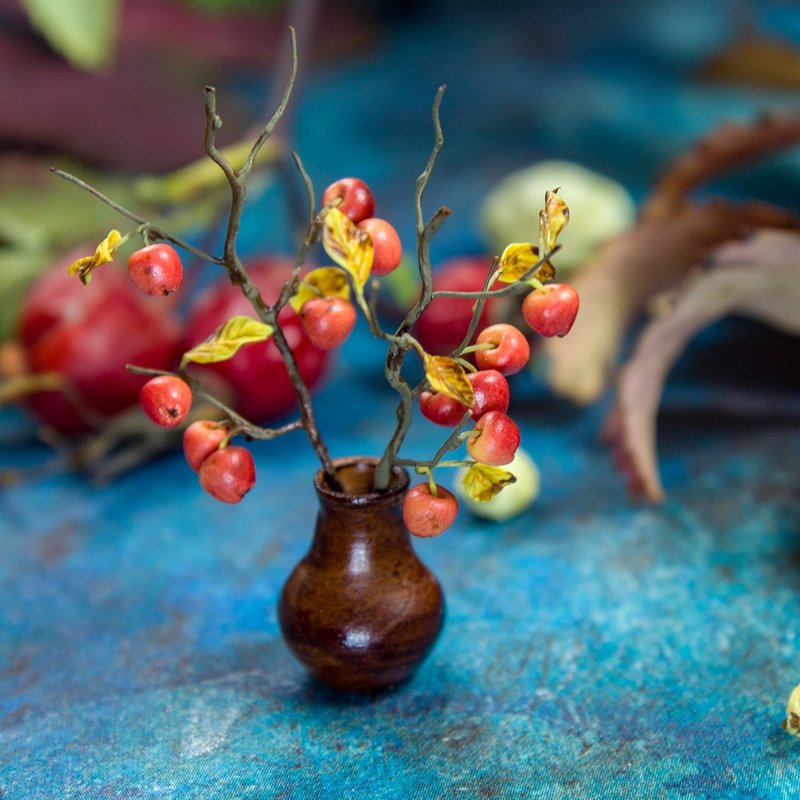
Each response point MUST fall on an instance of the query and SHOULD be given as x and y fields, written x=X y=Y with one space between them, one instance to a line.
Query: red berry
x=386 y=243
x=228 y=474
x=156 y=269
x=166 y=399
x=200 y=440
x=357 y=200
x=491 y=392
x=511 y=351
x=551 y=310
x=498 y=441
x=425 y=515
x=327 y=321
x=441 y=409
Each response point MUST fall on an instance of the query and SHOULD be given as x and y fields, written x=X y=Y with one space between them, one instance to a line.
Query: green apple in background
x=514 y=498
x=600 y=209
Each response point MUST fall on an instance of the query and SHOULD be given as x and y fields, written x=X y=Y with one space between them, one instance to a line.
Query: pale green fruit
x=513 y=499
x=600 y=209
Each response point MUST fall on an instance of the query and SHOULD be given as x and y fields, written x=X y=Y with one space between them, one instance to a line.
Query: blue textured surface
x=592 y=648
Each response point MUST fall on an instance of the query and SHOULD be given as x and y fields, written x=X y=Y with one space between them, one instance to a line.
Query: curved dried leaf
x=758 y=278
x=104 y=254
x=447 y=376
x=516 y=260
x=227 y=339
x=552 y=220
x=325 y=282
x=482 y=481
x=348 y=245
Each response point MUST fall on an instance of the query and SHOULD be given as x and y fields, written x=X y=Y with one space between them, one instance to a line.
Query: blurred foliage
x=85 y=32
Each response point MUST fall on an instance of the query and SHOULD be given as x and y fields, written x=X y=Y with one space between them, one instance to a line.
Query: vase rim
x=398 y=485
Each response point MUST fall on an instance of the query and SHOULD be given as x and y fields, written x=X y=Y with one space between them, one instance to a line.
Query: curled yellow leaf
x=322 y=282
x=227 y=339
x=482 y=481
x=348 y=245
x=552 y=220
x=516 y=260
x=448 y=377
x=103 y=254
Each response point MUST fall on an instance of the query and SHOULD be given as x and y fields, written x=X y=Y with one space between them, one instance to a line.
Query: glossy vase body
x=361 y=611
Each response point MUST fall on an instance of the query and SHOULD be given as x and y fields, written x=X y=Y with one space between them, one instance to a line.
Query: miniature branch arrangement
x=471 y=399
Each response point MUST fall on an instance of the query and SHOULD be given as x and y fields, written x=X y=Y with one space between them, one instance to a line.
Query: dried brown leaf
x=757 y=278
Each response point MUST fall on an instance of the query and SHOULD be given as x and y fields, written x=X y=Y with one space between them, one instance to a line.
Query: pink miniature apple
x=386 y=244
x=200 y=440
x=511 y=350
x=552 y=309
x=498 y=441
x=357 y=200
x=427 y=515
x=228 y=474
x=327 y=321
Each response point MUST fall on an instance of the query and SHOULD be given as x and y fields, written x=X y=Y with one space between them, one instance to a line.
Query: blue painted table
x=593 y=648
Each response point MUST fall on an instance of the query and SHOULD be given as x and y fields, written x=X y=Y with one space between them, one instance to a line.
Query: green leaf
x=83 y=31
x=227 y=339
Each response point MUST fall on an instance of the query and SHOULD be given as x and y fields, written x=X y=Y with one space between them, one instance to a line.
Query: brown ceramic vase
x=361 y=611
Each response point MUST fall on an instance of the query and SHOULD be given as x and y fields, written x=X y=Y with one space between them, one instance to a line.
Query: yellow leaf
x=447 y=376
x=482 y=481
x=103 y=254
x=227 y=339
x=516 y=260
x=552 y=220
x=348 y=245
x=322 y=282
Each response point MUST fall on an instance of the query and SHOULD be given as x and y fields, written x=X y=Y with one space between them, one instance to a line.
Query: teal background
x=593 y=648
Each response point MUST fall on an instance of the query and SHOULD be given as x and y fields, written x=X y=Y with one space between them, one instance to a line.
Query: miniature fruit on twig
x=228 y=474
x=327 y=321
x=511 y=350
x=386 y=245
x=491 y=391
x=156 y=269
x=498 y=440
x=166 y=399
x=551 y=310
x=429 y=515
x=357 y=200
x=200 y=440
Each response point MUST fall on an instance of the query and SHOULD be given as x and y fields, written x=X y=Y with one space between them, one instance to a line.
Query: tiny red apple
x=491 y=392
x=427 y=515
x=200 y=440
x=228 y=474
x=386 y=244
x=510 y=353
x=552 y=309
x=166 y=399
x=498 y=441
x=357 y=200
x=156 y=269
x=327 y=321
x=441 y=409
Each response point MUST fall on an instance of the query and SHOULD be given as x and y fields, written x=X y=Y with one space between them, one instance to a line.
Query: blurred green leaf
x=83 y=31
x=18 y=270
